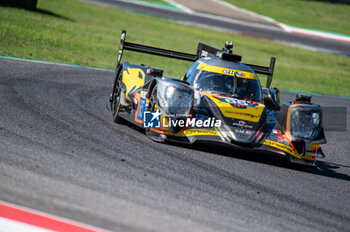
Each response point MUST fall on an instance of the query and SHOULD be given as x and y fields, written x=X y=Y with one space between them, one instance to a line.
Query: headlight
x=169 y=92
x=180 y=102
x=305 y=122
x=174 y=98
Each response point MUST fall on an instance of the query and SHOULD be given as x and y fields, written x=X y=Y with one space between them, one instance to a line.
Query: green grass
x=321 y=15
x=80 y=33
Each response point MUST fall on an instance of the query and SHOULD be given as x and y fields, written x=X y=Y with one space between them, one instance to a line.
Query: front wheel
x=151 y=105
x=115 y=97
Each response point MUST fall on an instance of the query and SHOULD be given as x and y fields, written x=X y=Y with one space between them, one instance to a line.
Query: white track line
x=245 y=11
x=237 y=21
x=54 y=63
x=178 y=5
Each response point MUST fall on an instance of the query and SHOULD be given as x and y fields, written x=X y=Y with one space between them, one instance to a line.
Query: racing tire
x=151 y=105
x=115 y=96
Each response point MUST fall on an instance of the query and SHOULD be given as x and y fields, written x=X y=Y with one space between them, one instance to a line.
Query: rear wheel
x=115 y=96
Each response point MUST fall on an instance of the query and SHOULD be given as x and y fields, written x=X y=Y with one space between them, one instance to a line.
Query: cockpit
x=227 y=85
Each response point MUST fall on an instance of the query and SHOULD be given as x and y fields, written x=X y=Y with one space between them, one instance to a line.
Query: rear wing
x=268 y=71
x=203 y=50
x=124 y=45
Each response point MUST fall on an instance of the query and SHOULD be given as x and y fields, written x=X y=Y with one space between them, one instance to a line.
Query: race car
x=218 y=100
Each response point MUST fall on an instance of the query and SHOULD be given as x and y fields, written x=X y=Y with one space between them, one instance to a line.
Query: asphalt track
x=237 y=26
x=61 y=153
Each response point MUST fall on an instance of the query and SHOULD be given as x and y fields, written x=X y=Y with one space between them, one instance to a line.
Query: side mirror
x=271 y=99
x=155 y=72
x=302 y=98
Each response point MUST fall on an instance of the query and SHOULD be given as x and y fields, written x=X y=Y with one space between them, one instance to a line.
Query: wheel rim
x=115 y=103
x=152 y=100
x=151 y=104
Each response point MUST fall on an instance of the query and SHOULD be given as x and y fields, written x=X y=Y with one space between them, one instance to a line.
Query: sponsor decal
x=275 y=135
x=243 y=114
x=192 y=132
x=204 y=53
x=232 y=72
x=242 y=132
x=242 y=124
x=276 y=131
x=143 y=105
x=238 y=106
x=282 y=147
x=227 y=71
x=237 y=101
x=240 y=74
x=279 y=145
x=152 y=119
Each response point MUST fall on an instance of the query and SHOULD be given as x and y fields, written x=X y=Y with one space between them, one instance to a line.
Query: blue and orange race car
x=220 y=100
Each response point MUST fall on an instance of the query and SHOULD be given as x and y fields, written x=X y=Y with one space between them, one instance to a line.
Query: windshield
x=233 y=86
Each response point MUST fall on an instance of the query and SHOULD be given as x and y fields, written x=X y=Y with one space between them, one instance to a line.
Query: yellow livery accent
x=133 y=78
x=251 y=114
x=226 y=71
x=314 y=147
x=193 y=132
x=282 y=147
